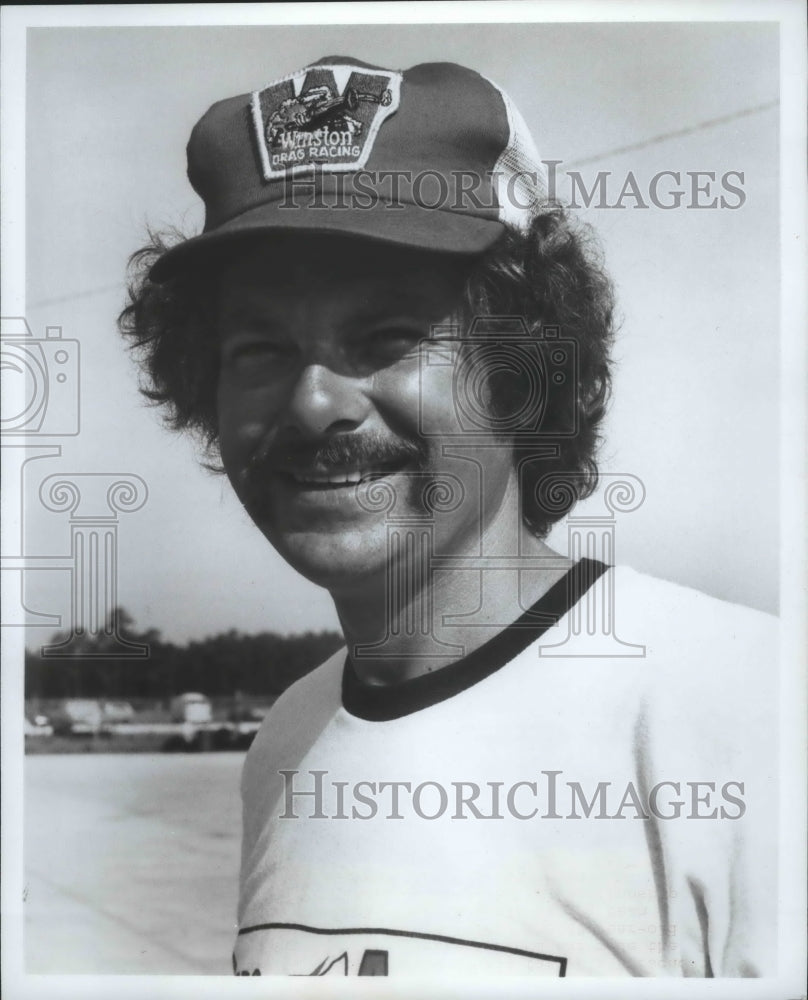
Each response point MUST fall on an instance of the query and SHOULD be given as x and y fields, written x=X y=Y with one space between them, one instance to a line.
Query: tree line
x=222 y=665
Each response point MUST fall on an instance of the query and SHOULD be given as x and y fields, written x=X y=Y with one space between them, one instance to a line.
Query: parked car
x=116 y=712
x=77 y=715
x=39 y=725
x=191 y=707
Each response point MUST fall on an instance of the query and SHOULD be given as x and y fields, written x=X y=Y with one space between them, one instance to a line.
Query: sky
x=696 y=397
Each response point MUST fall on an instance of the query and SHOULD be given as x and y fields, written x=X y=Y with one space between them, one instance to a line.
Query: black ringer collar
x=383 y=702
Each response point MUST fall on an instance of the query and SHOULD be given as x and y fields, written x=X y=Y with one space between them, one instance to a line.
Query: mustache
x=370 y=452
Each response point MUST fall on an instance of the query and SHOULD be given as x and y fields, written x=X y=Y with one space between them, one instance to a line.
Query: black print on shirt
x=374 y=963
x=263 y=947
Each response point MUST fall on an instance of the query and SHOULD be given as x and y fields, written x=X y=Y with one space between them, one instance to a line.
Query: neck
x=420 y=619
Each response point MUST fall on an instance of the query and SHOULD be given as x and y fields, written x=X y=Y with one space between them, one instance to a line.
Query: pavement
x=131 y=863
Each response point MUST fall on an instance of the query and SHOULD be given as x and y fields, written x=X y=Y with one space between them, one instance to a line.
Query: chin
x=340 y=562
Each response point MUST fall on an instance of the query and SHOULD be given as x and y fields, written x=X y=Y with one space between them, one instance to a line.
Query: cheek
x=244 y=423
x=421 y=398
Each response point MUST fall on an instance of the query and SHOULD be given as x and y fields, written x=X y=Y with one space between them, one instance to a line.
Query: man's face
x=322 y=398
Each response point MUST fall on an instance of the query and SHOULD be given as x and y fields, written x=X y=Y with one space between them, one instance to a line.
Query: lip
x=331 y=478
x=328 y=490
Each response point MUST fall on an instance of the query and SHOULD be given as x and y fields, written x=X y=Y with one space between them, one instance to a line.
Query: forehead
x=271 y=273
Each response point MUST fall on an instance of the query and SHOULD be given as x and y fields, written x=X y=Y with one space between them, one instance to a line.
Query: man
x=398 y=345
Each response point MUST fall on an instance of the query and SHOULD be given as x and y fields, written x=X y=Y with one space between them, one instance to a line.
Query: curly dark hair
x=551 y=276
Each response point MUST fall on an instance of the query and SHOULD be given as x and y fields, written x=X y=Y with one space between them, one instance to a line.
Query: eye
x=256 y=357
x=240 y=350
x=392 y=342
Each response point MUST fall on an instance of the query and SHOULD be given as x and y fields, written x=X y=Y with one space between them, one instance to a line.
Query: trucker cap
x=435 y=157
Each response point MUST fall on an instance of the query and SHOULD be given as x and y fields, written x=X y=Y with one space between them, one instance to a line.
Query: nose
x=323 y=401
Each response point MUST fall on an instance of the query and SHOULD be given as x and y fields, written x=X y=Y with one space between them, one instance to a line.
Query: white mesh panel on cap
x=520 y=178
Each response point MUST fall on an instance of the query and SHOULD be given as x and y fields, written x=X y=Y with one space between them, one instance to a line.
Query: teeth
x=335 y=478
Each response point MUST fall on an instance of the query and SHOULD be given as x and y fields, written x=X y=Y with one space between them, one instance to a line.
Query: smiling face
x=322 y=398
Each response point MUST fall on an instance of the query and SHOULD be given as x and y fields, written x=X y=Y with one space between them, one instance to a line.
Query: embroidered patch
x=323 y=115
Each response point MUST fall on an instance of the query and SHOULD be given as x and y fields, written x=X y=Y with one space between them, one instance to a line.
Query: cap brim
x=439 y=231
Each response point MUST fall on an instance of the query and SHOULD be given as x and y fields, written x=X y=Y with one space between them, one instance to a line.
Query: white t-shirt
x=483 y=860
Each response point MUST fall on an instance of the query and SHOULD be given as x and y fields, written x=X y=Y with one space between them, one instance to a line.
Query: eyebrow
x=398 y=301
x=375 y=301
x=244 y=320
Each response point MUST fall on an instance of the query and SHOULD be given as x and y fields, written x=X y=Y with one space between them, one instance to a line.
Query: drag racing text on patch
x=326 y=116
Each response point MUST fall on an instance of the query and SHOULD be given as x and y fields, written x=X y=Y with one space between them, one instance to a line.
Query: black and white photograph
x=403 y=442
